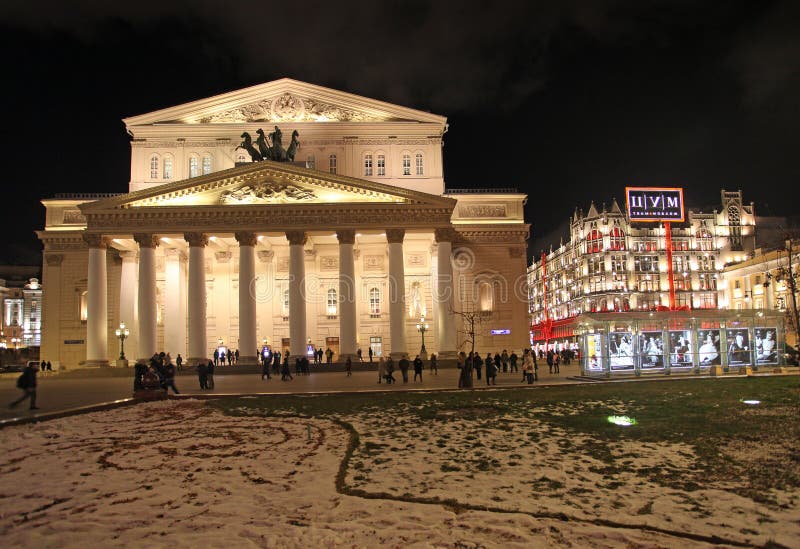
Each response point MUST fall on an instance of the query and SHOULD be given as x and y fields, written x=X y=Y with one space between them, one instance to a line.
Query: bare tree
x=471 y=320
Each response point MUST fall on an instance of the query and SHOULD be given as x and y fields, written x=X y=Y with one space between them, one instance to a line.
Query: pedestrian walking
x=285 y=373
x=504 y=358
x=360 y=358
x=169 y=378
x=348 y=367
x=265 y=368
x=370 y=355
x=27 y=382
x=404 y=366
x=49 y=367
x=491 y=372
x=477 y=363
x=179 y=362
x=210 y=376
x=512 y=360
x=381 y=368
x=202 y=374
x=556 y=363
x=418 y=369
x=434 y=367
x=390 y=371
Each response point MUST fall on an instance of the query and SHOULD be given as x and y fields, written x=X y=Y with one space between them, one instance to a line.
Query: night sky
x=569 y=101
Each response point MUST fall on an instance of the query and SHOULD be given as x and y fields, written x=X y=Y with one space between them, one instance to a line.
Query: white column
x=97 y=302
x=297 y=293
x=445 y=325
x=248 y=341
x=266 y=296
x=148 y=304
x=128 y=300
x=174 y=310
x=197 y=298
x=347 y=294
x=397 y=293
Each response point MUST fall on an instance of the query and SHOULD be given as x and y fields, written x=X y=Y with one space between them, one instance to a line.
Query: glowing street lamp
x=422 y=327
x=122 y=333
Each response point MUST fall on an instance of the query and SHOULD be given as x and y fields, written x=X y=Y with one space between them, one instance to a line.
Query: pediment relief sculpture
x=290 y=108
x=272 y=193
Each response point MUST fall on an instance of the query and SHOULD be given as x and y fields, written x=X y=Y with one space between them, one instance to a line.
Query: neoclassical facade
x=348 y=247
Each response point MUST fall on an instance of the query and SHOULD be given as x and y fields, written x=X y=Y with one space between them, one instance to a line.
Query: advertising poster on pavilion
x=765 y=345
x=594 y=352
x=651 y=350
x=708 y=352
x=681 y=350
x=620 y=350
x=738 y=347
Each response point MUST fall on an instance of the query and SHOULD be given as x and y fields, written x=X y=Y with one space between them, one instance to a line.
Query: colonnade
x=142 y=305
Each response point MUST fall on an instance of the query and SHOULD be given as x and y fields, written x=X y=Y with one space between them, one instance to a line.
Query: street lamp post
x=15 y=341
x=422 y=327
x=122 y=333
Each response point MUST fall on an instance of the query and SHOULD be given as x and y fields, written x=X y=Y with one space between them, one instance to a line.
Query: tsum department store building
x=349 y=247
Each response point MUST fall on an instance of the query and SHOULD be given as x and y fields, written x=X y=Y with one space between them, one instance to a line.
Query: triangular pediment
x=284 y=100
x=268 y=184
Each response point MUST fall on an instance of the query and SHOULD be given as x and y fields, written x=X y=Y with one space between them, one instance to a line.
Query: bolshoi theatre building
x=349 y=239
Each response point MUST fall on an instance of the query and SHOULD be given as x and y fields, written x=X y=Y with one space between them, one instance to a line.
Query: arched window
x=332 y=163
x=286 y=303
x=406 y=164
x=206 y=164
x=333 y=301
x=374 y=301
x=381 y=164
x=617 y=239
x=167 y=167
x=594 y=242
x=154 y=167
x=193 y=167
x=733 y=215
x=367 y=165
x=419 y=164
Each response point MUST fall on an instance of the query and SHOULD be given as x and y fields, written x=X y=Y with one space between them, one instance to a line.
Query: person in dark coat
x=404 y=365
x=27 y=382
x=210 y=375
x=169 y=378
x=418 y=368
x=202 y=373
x=491 y=372
x=285 y=368
x=512 y=359
x=477 y=363
x=138 y=374
x=434 y=367
x=497 y=360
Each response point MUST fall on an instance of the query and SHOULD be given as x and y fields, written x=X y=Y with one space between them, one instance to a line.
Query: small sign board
x=501 y=332
x=74 y=342
x=654 y=203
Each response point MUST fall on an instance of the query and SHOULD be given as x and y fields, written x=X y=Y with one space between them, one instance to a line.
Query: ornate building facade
x=611 y=264
x=346 y=248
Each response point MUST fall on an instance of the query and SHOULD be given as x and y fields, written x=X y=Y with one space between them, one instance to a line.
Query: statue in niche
x=247 y=145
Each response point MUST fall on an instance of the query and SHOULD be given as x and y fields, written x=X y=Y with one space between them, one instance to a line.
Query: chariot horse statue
x=263 y=145
x=278 y=152
x=293 y=146
x=247 y=145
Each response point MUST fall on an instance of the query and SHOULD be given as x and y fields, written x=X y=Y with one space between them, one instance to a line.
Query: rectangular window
x=368 y=165
x=381 y=165
x=646 y=263
x=332 y=163
x=206 y=165
x=406 y=164
x=419 y=165
x=193 y=166
x=168 y=168
x=154 y=167
x=618 y=263
x=376 y=344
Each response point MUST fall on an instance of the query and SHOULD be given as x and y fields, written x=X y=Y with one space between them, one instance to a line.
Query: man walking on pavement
x=27 y=382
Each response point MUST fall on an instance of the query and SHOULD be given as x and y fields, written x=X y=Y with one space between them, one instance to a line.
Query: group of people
x=386 y=368
x=505 y=362
x=159 y=373
x=220 y=356
x=271 y=364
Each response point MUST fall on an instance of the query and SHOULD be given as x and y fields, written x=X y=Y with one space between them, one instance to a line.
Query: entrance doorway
x=332 y=343
x=285 y=346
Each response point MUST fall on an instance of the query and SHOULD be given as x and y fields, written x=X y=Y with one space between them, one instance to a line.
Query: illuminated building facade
x=21 y=320
x=611 y=264
x=346 y=247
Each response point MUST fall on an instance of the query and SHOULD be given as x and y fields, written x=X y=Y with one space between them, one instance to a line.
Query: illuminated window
x=485 y=297
x=707 y=281
x=594 y=242
x=84 y=305
x=206 y=164
x=311 y=162
x=704 y=240
x=406 y=164
x=367 y=165
x=286 y=303
x=381 y=164
x=193 y=167
x=374 y=301
x=617 y=239
x=168 y=167
x=154 y=167
x=376 y=344
x=332 y=163
x=646 y=263
x=333 y=301
x=419 y=164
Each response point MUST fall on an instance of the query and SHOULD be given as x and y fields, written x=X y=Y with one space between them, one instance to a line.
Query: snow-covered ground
x=181 y=473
